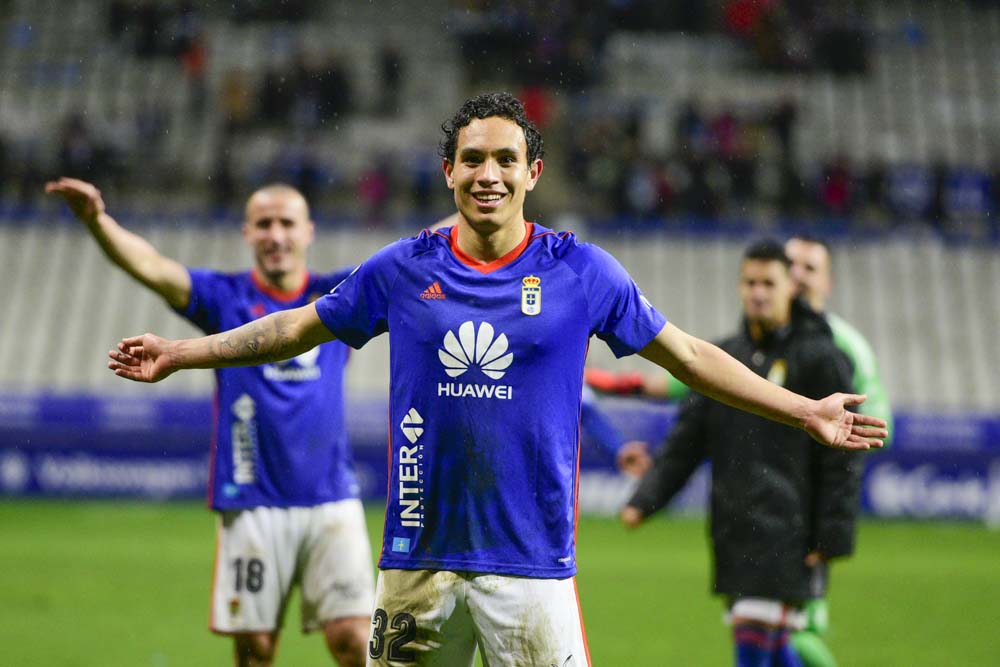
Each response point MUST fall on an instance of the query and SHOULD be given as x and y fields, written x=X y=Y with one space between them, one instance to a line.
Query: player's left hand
x=141 y=359
x=831 y=424
x=631 y=516
x=633 y=458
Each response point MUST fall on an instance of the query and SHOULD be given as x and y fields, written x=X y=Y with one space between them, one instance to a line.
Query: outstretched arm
x=709 y=370
x=131 y=252
x=281 y=335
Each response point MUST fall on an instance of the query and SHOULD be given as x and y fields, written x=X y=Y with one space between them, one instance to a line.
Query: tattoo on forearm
x=263 y=340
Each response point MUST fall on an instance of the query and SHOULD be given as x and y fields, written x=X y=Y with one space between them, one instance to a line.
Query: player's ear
x=447 y=167
x=534 y=171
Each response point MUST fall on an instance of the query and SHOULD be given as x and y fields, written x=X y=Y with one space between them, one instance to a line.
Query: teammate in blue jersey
x=489 y=323
x=281 y=477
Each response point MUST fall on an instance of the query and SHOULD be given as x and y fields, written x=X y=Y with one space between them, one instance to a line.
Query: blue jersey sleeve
x=620 y=315
x=334 y=278
x=209 y=289
x=357 y=309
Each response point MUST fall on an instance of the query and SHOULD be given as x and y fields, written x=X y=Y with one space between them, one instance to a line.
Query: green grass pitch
x=120 y=583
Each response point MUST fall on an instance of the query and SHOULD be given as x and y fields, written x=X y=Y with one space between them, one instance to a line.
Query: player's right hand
x=142 y=358
x=83 y=198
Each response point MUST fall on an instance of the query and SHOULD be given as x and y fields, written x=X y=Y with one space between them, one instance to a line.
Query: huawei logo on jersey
x=472 y=347
x=478 y=348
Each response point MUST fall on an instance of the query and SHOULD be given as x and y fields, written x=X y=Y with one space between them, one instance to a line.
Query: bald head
x=278 y=228
x=276 y=193
x=810 y=270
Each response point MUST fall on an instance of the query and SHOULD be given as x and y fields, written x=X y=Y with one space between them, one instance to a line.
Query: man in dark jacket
x=780 y=506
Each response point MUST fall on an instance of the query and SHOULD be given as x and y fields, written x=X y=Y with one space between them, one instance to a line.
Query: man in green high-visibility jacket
x=811 y=270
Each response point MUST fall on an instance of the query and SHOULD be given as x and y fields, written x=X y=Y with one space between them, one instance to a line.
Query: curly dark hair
x=488 y=105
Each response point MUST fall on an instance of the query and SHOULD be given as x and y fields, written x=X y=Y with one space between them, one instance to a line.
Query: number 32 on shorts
x=405 y=627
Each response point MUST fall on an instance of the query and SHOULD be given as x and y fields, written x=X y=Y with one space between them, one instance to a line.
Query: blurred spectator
x=425 y=185
x=391 y=69
x=873 y=196
x=26 y=171
x=268 y=10
x=119 y=18
x=841 y=45
x=966 y=196
x=236 y=100
x=557 y=44
x=691 y=136
x=375 y=190
x=939 y=178
x=792 y=200
x=782 y=121
x=836 y=188
x=910 y=191
x=186 y=26
x=700 y=197
x=79 y=154
x=725 y=131
x=647 y=191
x=151 y=126
x=223 y=190
x=4 y=162
x=194 y=63
x=149 y=18
x=275 y=96
x=538 y=105
x=743 y=16
x=321 y=91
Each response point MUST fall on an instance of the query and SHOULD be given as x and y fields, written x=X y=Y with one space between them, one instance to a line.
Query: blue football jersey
x=280 y=438
x=486 y=365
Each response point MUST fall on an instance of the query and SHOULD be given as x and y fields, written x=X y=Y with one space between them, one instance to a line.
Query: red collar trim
x=489 y=267
x=279 y=294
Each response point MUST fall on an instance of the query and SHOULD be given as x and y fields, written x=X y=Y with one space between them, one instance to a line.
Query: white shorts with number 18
x=263 y=552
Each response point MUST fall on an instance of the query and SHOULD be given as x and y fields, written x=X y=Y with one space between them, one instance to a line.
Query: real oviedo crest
x=531 y=295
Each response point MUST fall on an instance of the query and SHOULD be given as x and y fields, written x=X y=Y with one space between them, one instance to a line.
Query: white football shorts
x=438 y=618
x=769 y=612
x=261 y=553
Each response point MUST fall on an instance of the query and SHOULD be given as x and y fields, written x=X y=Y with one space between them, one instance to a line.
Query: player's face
x=278 y=229
x=491 y=174
x=810 y=271
x=767 y=290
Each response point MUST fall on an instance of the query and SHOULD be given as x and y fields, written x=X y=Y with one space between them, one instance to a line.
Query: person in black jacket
x=780 y=506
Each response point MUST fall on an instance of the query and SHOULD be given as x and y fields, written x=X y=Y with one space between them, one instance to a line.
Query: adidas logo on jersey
x=433 y=292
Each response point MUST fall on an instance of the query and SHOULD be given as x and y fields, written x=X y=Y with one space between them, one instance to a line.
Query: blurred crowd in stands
x=720 y=162
x=741 y=164
x=560 y=43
